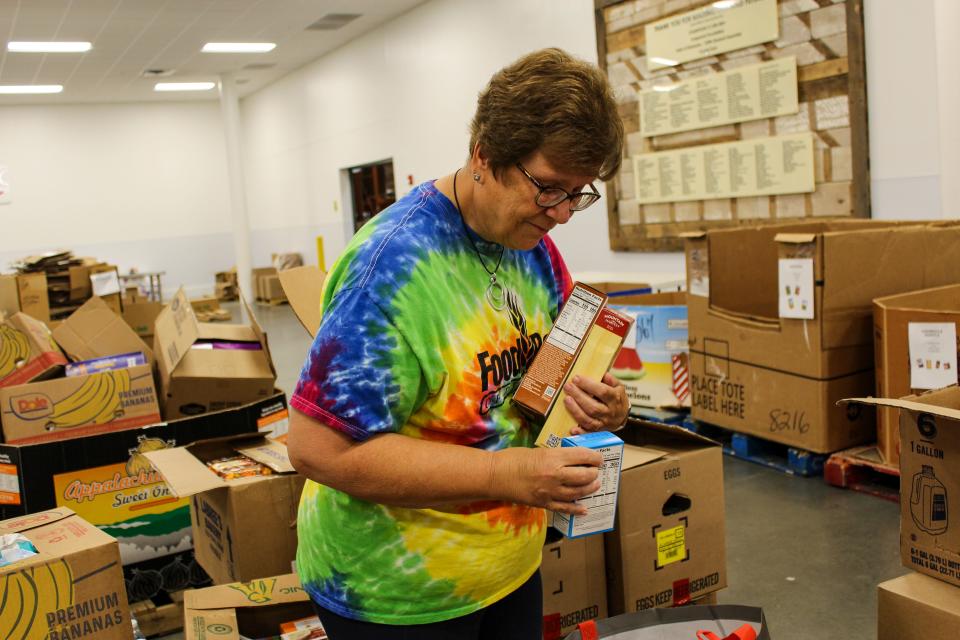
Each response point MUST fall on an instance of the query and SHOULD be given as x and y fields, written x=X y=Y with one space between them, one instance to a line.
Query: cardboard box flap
x=263 y=592
x=795 y=238
x=634 y=456
x=184 y=473
x=912 y=405
x=270 y=453
x=304 y=289
x=34 y=520
x=259 y=332
x=670 y=430
x=175 y=330
x=942 y=299
x=95 y=331
x=693 y=234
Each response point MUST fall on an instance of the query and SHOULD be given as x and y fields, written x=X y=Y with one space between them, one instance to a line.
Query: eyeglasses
x=553 y=196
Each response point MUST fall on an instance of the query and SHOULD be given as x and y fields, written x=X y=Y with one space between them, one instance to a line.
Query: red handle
x=745 y=632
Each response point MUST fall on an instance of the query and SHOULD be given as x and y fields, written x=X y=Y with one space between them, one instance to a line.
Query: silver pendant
x=495 y=296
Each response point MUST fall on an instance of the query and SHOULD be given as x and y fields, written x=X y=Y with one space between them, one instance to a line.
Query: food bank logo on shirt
x=500 y=373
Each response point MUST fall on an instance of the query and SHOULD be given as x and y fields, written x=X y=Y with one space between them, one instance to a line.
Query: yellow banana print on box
x=14 y=349
x=97 y=401
x=23 y=610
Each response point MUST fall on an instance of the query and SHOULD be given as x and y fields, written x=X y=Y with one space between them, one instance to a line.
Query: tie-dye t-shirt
x=408 y=344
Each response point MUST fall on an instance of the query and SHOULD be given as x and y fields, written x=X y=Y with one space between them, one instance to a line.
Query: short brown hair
x=550 y=101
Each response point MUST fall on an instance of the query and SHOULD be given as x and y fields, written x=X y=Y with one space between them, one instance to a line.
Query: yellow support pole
x=320 y=261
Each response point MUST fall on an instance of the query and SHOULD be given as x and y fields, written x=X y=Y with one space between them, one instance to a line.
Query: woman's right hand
x=550 y=478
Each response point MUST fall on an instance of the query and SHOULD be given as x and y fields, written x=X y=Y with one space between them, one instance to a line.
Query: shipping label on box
x=596 y=354
x=653 y=364
x=543 y=381
x=601 y=504
x=73 y=588
x=131 y=502
x=79 y=405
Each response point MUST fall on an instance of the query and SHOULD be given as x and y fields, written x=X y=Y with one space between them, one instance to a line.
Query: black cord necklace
x=494 y=294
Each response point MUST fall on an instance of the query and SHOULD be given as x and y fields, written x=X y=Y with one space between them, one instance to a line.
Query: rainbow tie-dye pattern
x=408 y=344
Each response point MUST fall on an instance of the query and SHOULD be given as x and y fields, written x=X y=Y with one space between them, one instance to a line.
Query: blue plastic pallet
x=665 y=416
x=774 y=455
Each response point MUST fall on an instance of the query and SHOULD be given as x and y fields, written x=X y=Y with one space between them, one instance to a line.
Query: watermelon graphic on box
x=652 y=363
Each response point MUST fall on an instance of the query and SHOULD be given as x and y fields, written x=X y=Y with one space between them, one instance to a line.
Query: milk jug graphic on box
x=928 y=502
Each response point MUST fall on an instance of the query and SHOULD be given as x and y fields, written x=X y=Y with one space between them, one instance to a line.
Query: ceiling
x=132 y=36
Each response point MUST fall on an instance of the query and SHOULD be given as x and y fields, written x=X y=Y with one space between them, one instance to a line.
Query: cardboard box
x=79 y=405
x=915 y=607
x=601 y=504
x=26 y=292
x=194 y=380
x=242 y=528
x=596 y=353
x=574 y=584
x=271 y=290
x=929 y=481
x=141 y=316
x=106 y=479
x=892 y=319
x=72 y=589
x=254 y=609
x=668 y=547
x=542 y=383
x=303 y=287
x=96 y=331
x=780 y=378
x=654 y=360
x=27 y=351
x=105 y=283
x=207 y=303
x=259 y=276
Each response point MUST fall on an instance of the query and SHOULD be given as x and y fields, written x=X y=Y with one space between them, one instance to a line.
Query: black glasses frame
x=591 y=196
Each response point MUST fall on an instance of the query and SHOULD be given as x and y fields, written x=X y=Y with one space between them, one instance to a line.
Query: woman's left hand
x=596 y=406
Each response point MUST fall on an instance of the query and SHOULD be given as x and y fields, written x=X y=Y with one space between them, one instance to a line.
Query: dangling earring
x=476 y=177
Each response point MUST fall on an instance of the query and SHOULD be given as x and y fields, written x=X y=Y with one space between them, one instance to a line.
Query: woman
x=425 y=510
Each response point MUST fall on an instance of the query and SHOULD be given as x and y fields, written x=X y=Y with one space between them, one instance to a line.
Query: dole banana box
x=27 y=351
x=72 y=588
x=79 y=405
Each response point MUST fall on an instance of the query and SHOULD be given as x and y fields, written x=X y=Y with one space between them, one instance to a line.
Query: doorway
x=372 y=188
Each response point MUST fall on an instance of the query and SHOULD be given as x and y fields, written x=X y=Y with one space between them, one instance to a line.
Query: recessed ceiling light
x=238 y=47
x=183 y=86
x=49 y=47
x=31 y=88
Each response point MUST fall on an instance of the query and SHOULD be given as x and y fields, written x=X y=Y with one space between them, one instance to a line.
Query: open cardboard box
x=243 y=528
x=892 y=319
x=195 y=380
x=754 y=371
x=27 y=351
x=73 y=588
x=929 y=480
x=253 y=609
x=668 y=547
x=95 y=330
x=26 y=292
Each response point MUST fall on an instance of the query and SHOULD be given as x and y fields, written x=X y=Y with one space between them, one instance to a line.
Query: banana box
x=72 y=589
x=254 y=609
x=79 y=405
x=27 y=351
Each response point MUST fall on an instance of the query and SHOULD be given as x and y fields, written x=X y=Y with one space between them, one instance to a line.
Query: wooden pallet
x=863 y=469
x=159 y=620
x=789 y=460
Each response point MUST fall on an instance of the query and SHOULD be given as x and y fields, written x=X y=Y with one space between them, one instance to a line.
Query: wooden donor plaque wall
x=736 y=112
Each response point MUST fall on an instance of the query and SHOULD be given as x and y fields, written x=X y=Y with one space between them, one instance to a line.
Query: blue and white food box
x=602 y=504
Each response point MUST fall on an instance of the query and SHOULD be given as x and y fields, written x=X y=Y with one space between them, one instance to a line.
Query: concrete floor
x=811 y=555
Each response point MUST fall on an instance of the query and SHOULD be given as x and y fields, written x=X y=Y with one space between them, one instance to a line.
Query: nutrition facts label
x=575 y=320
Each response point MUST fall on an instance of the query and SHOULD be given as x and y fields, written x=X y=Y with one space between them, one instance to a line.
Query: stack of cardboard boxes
x=780 y=321
x=81 y=440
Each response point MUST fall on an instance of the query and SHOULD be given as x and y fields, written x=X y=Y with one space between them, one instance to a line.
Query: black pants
x=519 y=616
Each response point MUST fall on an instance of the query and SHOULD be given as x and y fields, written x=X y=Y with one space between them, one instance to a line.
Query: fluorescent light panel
x=183 y=86
x=238 y=47
x=31 y=88
x=49 y=47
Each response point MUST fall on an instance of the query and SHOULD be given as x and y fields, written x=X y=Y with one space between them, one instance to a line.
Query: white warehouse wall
x=407 y=91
